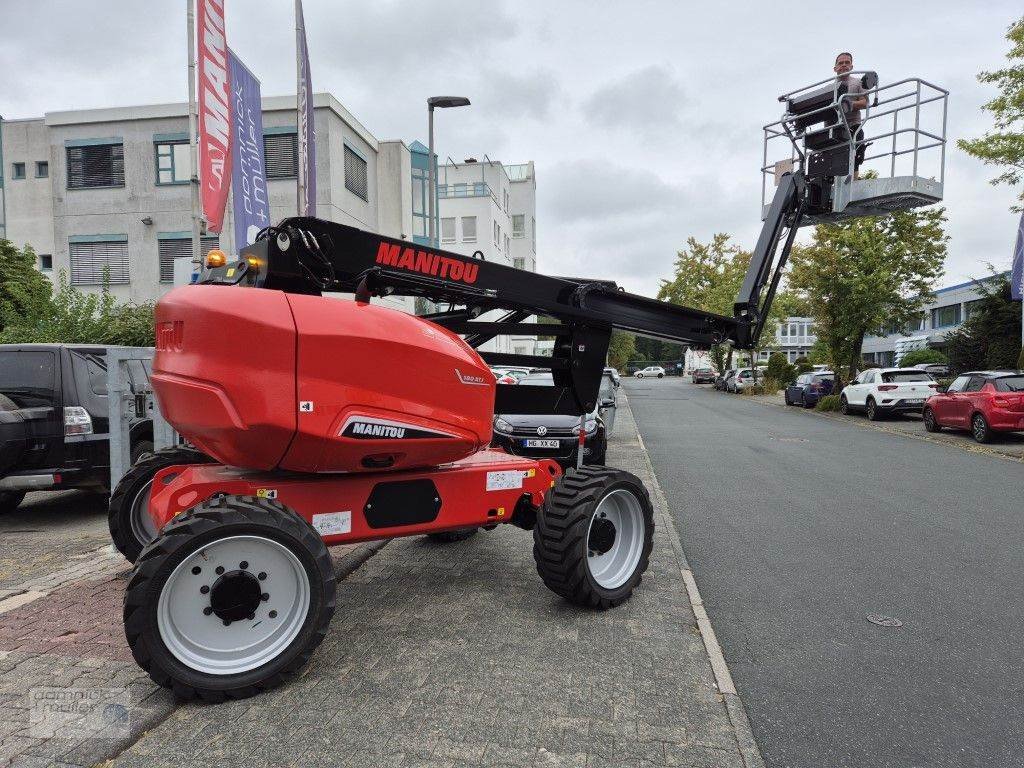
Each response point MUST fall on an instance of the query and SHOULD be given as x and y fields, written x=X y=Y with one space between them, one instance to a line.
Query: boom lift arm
x=311 y=256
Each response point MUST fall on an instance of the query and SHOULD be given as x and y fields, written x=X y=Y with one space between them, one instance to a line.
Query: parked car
x=53 y=419
x=935 y=369
x=985 y=402
x=744 y=378
x=722 y=380
x=881 y=391
x=651 y=370
x=615 y=375
x=809 y=388
x=703 y=376
x=551 y=436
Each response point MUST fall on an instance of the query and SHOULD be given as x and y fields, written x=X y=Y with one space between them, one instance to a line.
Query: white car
x=651 y=370
x=879 y=391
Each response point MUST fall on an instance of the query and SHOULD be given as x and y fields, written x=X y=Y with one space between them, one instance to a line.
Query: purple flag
x=307 y=130
x=1017 y=274
x=249 y=200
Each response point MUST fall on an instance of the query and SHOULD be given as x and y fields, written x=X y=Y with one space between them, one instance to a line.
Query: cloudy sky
x=643 y=118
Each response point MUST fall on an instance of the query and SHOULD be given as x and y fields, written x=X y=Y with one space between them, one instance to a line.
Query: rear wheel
x=806 y=403
x=230 y=600
x=844 y=405
x=874 y=414
x=639 y=375
x=450 y=537
x=930 y=424
x=661 y=375
x=980 y=430
x=594 y=535
x=128 y=518
x=9 y=500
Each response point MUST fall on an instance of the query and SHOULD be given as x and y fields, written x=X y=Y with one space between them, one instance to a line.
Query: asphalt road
x=797 y=527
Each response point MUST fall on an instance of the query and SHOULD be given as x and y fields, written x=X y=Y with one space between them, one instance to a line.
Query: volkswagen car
x=551 y=436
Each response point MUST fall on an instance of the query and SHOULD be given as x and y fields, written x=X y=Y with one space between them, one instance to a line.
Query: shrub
x=779 y=370
x=803 y=365
x=828 y=403
x=918 y=356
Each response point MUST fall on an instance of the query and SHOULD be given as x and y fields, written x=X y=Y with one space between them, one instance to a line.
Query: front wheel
x=639 y=375
x=131 y=527
x=873 y=413
x=930 y=423
x=230 y=599
x=980 y=430
x=661 y=375
x=844 y=405
x=594 y=535
x=10 y=500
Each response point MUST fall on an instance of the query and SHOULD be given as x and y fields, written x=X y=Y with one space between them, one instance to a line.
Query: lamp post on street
x=442 y=102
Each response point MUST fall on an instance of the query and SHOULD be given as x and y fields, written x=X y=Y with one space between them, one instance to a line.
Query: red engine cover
x=261 y=379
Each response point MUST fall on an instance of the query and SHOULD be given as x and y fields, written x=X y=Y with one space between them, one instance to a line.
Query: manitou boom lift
x=317 y=421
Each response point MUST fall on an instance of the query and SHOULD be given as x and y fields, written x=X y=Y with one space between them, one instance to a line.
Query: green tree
x=919 y=356
x=990 y=337
x=621 y=349
x=779 y=370
x=803 y=365
x=23 y=289
x=1004 y=145
x=857 y=274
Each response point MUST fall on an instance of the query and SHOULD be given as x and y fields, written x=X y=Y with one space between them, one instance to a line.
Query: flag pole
x=193 y=123
x=299 y=111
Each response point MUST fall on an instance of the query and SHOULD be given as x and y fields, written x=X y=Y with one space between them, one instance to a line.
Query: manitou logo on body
x=426 y=263
x=377 y=430
x=373 y=429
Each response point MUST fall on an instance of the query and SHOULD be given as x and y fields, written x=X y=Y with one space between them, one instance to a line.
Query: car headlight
x=500 y=425
x=590 y=426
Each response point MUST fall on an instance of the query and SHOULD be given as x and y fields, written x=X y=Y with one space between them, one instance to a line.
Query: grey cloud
x=511 y=95
x=597 y=190
x=648 y=100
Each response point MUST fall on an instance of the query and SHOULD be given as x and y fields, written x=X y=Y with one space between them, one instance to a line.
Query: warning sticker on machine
x=333 y=523
x=266 y=493
x=504 y=481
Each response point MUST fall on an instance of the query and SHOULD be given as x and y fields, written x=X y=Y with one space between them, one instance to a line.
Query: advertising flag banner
x=307 y=132
x=214 y=113
x=1017 y=274
x=249 y=201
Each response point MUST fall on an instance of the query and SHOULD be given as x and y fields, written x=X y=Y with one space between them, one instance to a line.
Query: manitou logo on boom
x=426 y=263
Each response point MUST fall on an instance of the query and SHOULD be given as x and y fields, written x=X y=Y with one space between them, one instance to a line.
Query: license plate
x=540 y=443
x=913 y=402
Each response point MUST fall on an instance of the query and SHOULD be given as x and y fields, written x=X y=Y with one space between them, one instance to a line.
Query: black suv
x=53 y=419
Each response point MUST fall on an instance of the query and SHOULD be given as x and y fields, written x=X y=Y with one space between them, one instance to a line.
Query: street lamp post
x=442 y=102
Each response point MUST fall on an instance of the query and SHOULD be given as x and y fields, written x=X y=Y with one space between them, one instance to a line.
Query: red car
x=984 y=402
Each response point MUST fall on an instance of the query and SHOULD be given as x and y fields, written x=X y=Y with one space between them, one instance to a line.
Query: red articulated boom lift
x=308 y=431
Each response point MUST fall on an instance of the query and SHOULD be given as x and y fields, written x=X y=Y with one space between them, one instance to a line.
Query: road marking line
x=19 y=600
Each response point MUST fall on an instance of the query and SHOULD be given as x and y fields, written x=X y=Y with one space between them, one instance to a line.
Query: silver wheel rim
x=929 y=419
x=979 y=428
x=143 y=527
x=612 y=563
x=200 y=639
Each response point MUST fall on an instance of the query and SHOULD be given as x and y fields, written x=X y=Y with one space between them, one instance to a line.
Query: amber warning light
x=215 y=258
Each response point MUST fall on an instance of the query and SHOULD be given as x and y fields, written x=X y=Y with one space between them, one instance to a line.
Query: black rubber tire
x=450 y=537
x=134 y=481
x=213 y=519
x=9 y=500
x=806 y=404
x=560 y=544
x=140 y=449
x=785 y=395
x=871 y=407
x=598 y=460
x=661 y=375
x=639 y=375
x=844 y=405
x=980 y=430
x=930 y=424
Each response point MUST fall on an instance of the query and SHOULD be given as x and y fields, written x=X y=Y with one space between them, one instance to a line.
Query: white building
x=489 y=210
x=107 y=190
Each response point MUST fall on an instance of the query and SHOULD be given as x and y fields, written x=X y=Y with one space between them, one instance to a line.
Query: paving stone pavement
x=457 y=655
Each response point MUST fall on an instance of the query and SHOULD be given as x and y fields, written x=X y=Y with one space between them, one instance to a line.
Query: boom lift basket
x=903 y=137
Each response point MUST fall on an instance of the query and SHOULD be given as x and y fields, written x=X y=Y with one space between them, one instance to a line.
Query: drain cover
x=884 y=621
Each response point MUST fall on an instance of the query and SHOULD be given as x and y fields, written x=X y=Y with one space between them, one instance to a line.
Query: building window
x=448 y=230
x=506 y=201
x=45 y=262
x=420 y=226
x=355 y=174
x=170 y=248
x=943 y=317
x=281 y=155
x=42 y=169
x=96 y=165
x=497 y=235
x=95 y=261
x=17 y=170
x=519 y=263
x=173 y=162
x=506 y=243
x=469 y=229
x=533 y=232
x=518 y=225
